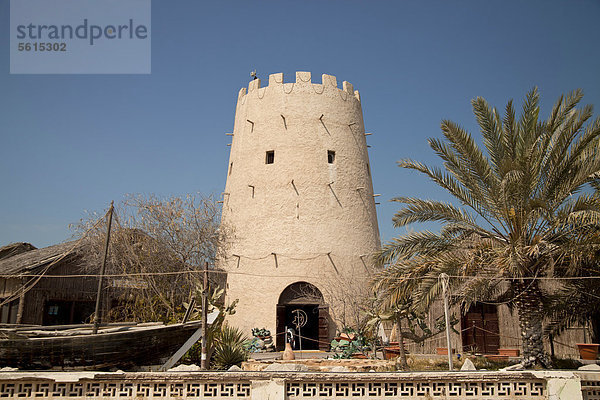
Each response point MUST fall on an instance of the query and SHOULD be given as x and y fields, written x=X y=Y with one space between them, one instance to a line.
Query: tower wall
x=300 y=218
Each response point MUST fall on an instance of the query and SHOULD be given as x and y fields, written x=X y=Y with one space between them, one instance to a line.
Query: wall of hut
x=60 y=288
x=9 y=312
x=508 y=333
x=8 y=286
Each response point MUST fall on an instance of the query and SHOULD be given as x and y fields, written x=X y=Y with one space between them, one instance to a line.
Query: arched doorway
x=302 y=304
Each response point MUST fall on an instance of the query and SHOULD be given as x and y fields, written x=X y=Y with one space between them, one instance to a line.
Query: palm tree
x=524 y=215
x=578 y=300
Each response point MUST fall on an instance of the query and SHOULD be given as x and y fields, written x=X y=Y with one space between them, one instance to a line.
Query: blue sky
x=71 y=143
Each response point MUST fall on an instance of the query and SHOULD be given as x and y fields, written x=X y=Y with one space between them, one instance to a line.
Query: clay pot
x=391 y=352
x=588 y=351
x=509 y=352
x=288 y=353
x=444 y=351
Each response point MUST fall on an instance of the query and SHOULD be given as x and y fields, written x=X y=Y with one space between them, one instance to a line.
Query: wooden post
x=444 y=279
x=403 y=360
x=98 y=311
x=189 y=310
x=204 y=317
x=21 y=303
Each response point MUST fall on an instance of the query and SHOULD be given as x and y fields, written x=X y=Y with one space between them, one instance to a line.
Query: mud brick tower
x=299 y=200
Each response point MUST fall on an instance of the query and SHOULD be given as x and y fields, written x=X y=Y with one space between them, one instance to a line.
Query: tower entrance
x=301 y=307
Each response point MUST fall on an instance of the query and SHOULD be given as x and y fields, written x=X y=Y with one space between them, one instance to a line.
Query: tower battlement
x=303 y=79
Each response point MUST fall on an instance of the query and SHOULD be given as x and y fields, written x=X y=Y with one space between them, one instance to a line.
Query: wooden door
x=323 y=328
x=481 y=331
x=279 y=328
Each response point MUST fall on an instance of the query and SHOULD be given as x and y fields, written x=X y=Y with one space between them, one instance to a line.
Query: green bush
x=229 y=347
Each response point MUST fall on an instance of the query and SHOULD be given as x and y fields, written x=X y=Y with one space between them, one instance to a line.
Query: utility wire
x=215 y=271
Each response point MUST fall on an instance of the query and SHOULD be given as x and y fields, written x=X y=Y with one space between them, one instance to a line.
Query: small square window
x=270 y=158
x=330 y=156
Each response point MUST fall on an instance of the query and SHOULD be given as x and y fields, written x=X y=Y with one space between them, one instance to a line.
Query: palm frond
x=491 y=129
x=418 y=210
x=412 y=244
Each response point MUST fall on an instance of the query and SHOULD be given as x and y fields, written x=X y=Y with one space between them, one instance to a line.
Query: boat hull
x=145 y=346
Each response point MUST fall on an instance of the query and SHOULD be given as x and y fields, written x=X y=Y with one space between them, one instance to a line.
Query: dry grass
x=437 y=364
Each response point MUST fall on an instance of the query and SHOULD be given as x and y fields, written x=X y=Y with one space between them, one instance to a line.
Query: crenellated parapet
x=303 y=81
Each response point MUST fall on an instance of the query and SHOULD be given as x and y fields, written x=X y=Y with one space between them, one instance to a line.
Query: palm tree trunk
x=530 y=307
x=403 y=361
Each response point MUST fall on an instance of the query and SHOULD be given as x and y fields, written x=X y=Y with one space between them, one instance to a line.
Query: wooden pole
x=403 y=360
x=204 y=317
x=98 y=311
x=444 y=279
x=21 y=303
x=189 y=310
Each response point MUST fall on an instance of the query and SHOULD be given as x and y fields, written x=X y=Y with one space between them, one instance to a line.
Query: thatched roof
x=15 y=248
x=31 y=260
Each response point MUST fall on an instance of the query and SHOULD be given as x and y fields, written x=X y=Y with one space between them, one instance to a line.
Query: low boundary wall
x=513 y=385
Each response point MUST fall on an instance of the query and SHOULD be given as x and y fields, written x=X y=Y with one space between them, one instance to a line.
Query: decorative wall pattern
x=124 y=390
x=284 y=386
x=590 y=390
x=417 y=390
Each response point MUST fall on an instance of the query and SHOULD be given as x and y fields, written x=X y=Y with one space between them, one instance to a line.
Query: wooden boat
x=114 y=346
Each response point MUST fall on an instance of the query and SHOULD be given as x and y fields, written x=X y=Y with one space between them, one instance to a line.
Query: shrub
x=229 y=347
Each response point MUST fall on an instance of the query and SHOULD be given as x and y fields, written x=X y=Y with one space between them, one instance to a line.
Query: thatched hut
x=45 y=286
x=57 y=285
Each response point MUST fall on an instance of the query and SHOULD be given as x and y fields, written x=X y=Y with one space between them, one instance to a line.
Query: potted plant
x=261 y=333
x=348 y=345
